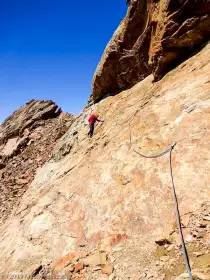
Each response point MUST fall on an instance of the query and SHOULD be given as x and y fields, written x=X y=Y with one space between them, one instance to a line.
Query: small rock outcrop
x=154 y=37
x=26 y=116
x=27 y=139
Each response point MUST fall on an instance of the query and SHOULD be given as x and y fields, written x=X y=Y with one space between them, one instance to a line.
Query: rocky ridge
x=27 y=139
x=96 y=210
x=154 y=37
x=26 y=116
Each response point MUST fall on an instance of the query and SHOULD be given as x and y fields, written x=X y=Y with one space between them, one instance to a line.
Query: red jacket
x=92 y=119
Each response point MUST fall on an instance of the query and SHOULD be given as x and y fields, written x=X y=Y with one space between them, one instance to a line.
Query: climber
x=92 y=119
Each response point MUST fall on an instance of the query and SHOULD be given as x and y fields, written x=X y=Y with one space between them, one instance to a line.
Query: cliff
x=97 y=210
x=154 y=37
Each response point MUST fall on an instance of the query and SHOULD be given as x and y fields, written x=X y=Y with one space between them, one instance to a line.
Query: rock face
x=154 y=37
x=26 y=116
x=98 y=207
x=28 y=137
x=125 y=59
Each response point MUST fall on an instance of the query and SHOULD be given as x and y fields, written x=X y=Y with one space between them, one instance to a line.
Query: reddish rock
x=69 y=259
x=64 y=261
x=26 y=132
x=107 y=269
x=78 y=267
x=112 y=241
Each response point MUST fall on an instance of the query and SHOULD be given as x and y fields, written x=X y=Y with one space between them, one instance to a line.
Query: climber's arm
x=99 y=120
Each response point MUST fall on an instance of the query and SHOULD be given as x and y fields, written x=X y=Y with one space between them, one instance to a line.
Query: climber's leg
x=90 y=133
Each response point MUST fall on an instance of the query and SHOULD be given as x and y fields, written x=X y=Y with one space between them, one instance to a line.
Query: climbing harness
x=170 y=150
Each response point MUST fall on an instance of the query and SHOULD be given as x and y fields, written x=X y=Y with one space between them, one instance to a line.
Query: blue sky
x=50 y=49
